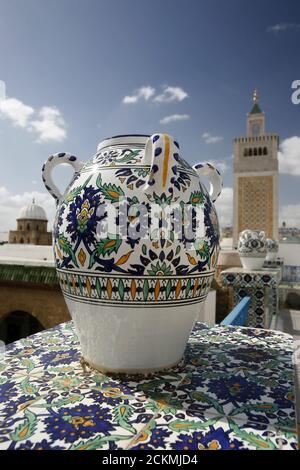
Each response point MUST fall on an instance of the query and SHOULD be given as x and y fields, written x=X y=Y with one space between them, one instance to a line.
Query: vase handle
x=214 y=177
x=54 y=160
x=162 y=154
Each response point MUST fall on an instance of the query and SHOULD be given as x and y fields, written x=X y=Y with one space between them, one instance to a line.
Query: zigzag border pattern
x=134 y=291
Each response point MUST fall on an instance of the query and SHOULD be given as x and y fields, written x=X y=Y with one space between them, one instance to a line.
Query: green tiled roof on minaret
x=256 y=109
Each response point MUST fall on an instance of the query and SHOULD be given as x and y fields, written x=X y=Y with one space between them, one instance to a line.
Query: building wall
x=32 y=232
x=32 y=225
x=257 y=203
x=31 y=237
x=44 y=303
x=255 y=192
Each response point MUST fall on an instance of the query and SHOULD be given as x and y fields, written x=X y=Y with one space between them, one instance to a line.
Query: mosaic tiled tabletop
x=235 y=391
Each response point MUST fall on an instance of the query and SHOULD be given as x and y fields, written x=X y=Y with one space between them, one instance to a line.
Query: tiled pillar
x=262 y=288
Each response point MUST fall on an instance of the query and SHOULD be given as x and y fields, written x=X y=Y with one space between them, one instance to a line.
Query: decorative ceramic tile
x=273 y=264
x=233 y=390
x=278 y=263
x=216 y=433
x=262 y=288
x=291 y=274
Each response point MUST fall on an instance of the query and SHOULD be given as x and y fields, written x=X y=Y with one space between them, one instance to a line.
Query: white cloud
x=281 y=27
x=171 y=93
x=290 y=214
x=224 y=206
x=145 y=92
x=16 y=111
x=50 y=125
x=211 y=139
x=174 y=118
x=46 y=123
x=289 y=156
x=11 y=204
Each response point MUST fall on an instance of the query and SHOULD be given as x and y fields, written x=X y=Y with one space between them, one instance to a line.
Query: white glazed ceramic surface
x=252 y=248
x=138 y=340
x=133 y=300
x=252 y=264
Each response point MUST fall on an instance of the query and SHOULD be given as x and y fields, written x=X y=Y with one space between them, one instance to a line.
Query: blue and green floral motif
x=133 y=178
x=49 y=403
x=82 y=216
x=196 y=198
x=160 y=269
x=115 y=157
x=7 y=390
x=235 y=389
x=202 y=249
x=43 y=445
x=110 y=191
x=82 y=421
x=120 y=175
x=57 y=357
x=214 y=439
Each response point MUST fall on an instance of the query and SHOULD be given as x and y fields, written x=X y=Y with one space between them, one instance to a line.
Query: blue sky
x=68 y=64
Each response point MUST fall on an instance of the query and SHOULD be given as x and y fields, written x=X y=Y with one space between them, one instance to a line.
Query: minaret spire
x=255 y=97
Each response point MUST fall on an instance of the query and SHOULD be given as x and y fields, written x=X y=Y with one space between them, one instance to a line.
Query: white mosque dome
x=32 y=211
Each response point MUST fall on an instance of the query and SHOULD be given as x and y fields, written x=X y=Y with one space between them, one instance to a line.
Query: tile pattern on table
x=213 y=433
x=251 y=389
x=250 y=383
x=46 y=401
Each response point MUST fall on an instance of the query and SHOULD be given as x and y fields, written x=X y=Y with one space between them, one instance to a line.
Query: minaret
x=255 y=171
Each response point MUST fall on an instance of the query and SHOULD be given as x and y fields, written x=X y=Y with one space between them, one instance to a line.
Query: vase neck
x=130 y=139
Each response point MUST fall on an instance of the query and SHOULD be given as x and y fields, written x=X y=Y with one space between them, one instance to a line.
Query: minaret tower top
x=256 y=118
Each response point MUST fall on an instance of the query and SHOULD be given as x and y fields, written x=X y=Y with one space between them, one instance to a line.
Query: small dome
x=32 y=211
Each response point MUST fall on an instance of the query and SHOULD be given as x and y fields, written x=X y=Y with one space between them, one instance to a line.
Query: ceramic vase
x=252 y=248
x=272 y=249
x=133 y=294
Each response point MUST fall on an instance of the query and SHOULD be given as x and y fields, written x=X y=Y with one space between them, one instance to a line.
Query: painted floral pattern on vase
x=87 y=265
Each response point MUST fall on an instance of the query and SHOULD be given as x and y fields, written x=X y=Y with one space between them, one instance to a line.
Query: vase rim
x=124 y=139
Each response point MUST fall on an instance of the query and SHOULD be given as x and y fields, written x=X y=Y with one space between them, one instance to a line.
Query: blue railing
x=238 y=316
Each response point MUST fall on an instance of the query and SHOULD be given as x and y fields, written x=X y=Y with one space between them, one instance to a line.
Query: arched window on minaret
x=260 y=151
x=255 y=152
x=246 y=153
x=265 y=151
x=250 y=152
